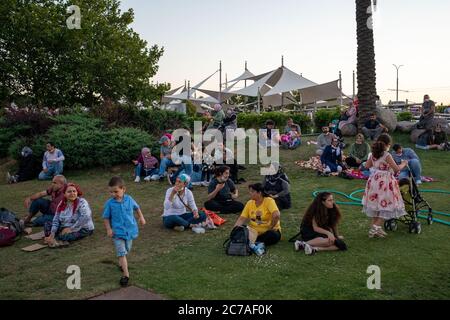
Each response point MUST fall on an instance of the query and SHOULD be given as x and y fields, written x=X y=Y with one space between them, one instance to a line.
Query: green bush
x=89 y=145
x=404 y=116
x=124 y=144
x=8 y=135
x=257 y=121
x=323 y=117
x=152 y=121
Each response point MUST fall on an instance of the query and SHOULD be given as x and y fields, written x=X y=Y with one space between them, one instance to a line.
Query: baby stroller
x=413 y=204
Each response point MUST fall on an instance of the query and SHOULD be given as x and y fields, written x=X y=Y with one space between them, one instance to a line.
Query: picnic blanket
x=315 y=164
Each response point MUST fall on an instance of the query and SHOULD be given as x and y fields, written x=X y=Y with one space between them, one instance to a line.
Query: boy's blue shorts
x=123 y=247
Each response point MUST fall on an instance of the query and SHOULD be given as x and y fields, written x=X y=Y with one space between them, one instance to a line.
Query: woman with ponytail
x=382 y=199
x=73 y=218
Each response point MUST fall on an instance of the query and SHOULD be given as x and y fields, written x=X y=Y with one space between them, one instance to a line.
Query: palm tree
x=366 y=60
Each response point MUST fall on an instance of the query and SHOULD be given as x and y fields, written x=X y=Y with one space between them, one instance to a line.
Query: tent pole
x=340 y=87
x=245 y=82
x=220 y=81
x=188 y=90
x=259 y=102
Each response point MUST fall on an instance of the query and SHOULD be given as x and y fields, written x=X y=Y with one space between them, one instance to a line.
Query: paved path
x=129 y=293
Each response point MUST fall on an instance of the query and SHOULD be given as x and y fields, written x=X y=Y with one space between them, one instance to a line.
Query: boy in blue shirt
x=120 y=223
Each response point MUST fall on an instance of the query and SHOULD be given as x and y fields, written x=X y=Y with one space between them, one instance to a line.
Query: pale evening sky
x=317 y=39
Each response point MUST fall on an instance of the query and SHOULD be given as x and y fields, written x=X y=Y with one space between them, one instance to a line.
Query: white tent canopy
x=247 y=75
x=275 y=87
x=255 y=88
x=288 y=82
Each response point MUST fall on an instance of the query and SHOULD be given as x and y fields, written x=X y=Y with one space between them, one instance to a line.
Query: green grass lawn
x=190 y=266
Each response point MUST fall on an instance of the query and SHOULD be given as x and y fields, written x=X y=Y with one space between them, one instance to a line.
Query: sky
x=316 y=37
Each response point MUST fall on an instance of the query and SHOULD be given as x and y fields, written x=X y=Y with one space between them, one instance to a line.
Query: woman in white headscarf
x=180 y=210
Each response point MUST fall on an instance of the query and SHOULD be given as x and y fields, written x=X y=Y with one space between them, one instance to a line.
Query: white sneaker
x=155 y=177
x=179 y=228
x=138 y=179
x=147 y=179
x=205 y=183
x=418 y=182
x=309 y=251
x=198 y=230
x=299 y=245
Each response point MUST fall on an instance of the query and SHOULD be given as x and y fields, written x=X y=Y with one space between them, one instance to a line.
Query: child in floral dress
x=382 y=198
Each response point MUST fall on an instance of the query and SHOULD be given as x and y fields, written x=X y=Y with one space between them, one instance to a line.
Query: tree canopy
x=55 y=66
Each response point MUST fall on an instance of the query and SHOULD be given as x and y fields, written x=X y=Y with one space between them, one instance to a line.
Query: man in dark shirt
x=373 y=128
x=427 y=118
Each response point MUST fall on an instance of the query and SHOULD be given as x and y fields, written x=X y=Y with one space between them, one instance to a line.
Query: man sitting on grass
x=36 y=202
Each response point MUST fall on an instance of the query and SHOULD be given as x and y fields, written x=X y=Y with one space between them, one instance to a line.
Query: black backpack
x=9 y=219
x=238 y=244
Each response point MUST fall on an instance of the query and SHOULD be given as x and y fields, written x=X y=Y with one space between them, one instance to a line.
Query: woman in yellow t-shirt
x=262 y=217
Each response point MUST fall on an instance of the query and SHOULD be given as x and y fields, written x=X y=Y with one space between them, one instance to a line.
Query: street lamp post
x=398 y=68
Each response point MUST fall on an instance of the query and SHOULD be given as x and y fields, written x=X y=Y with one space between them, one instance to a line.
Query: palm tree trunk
x=366 y=61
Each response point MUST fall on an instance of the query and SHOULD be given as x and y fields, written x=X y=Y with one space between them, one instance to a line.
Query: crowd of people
x=66 y=215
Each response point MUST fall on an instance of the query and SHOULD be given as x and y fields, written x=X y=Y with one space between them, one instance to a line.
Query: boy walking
x=120 y=223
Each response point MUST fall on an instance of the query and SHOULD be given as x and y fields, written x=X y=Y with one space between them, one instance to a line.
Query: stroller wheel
x=393 y=225
x=387 y=225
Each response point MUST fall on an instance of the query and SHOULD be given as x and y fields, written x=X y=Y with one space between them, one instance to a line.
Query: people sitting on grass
x=219 y=116
x=426 y=120
x=165 y=156
x=230 y=120
x=436 y=139
x=120 y=223
x=262 y=217
x=184 y=163
x=291 y=139
x=332 y=158
x=407 y=154
x=72 y=220
x=27 y=167
x=319 y=227
x=222 y=193
x=382 y=199
x=53 y=162
x=289 y=124
x=373 y=128
x=146 y=165
x=277 y=186
x=223 y=156
x=358 y=152
x=348 y=116
x=37 y=203
x=180 y=210
x=268 y=136
x=324 y=140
